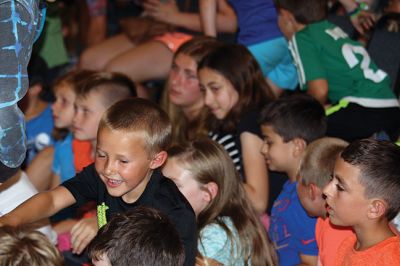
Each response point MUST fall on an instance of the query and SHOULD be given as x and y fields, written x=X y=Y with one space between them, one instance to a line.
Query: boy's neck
x=372 y=234
x=292 y=172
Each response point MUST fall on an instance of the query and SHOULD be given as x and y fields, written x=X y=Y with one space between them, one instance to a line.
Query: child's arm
x=168 y=12
x=308 y=260
x=39 y=170
x=208 y=14
x=255 y=170
x=318 y=88
x=40 y=206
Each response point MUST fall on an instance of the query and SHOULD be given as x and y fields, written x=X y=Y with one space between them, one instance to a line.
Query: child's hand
x=363 y=21
x=82 y=233
x=164 y=11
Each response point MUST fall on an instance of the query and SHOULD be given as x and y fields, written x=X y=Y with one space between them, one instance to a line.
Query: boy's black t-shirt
x=160 y=193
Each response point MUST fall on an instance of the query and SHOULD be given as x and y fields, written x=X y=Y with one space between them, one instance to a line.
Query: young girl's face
x=87 y=116
x=187 y=185
x=184 y=89
x=219 y=94
x=63 y=107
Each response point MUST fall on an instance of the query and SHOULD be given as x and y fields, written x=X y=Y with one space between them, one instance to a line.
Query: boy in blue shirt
x=288 y=126
x=132 y=138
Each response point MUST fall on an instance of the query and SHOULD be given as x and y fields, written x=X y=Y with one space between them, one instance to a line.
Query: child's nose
x=264 y=149
x=326 y=191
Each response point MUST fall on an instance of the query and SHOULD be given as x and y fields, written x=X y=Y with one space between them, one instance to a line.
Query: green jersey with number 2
x=323 y=51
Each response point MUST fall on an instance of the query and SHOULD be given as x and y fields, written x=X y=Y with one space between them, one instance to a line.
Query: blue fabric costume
x=21 y=22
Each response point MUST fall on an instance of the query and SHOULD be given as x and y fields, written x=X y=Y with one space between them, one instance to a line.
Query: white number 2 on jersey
x=350 y=51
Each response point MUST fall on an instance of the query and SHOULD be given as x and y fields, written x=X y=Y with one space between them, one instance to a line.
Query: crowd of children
x=193 y=178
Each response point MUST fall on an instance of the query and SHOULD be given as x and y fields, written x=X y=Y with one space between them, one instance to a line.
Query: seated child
x=229 y=230
x=315 y=172
x=132 y=139
x=288 y=126
x=142 y=236
x=364 y=194
x=24 y=246
x=335 y=69
x=15 y=188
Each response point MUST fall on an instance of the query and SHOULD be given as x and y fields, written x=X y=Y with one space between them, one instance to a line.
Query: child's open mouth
x=113 y=182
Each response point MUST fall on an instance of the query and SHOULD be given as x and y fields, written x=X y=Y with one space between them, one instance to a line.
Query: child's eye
x=124 y=161
x=339 y=187
x=215 y=89
x=99 y=155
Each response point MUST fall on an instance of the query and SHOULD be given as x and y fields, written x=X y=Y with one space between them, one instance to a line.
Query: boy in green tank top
x=335 y=69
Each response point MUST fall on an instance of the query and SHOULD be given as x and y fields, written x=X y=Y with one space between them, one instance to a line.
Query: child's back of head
x=24 y=246
x=305 y=11
x=379 y=165
x=295 y=116
x=142 y=236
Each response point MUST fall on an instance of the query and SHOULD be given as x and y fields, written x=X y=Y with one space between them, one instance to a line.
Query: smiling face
x=88 y=112
x=187 y=184
x=63 y=107
x=219 y=94
x=184 y=89
x=123 y=163
x=346 y=203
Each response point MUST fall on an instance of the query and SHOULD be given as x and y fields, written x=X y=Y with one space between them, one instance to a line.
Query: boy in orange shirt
x=363 y=194
x=315 y=173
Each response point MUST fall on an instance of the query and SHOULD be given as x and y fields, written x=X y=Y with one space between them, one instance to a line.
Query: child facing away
x=25 y=246
x=364 y=194
x=315 y=173
x=234 y=92
x=133 y=136
x=337 y=70
x=142 y=236
x=229 y=230
x=289 y=124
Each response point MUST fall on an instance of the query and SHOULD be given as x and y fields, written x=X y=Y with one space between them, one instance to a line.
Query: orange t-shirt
x=329 y=238
x=82 y=151
x=385 y=253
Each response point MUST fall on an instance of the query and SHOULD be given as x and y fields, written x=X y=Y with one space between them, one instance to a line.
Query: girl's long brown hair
x=208 y=161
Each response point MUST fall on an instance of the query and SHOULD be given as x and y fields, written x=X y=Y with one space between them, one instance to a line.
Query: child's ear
x=376 y=209
x=35 y=89
x=299 y=147
x=314 y=191
x=211 y=191
x=158 y=159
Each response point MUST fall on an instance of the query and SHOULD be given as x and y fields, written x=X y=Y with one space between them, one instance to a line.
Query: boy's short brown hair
x=304 y=11
x=295 y=116
x=319 y=161
x=379 y=164
x=25 y=246
x=140 y=115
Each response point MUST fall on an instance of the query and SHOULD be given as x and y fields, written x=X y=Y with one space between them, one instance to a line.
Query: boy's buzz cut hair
x=141 y=236
x=304 y=11
x=319 y=161
x=112 y=87
x=295 y=116
x=379 y=164
x=140 y=115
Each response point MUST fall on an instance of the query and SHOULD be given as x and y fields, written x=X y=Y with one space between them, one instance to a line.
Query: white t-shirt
x=13 y=196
